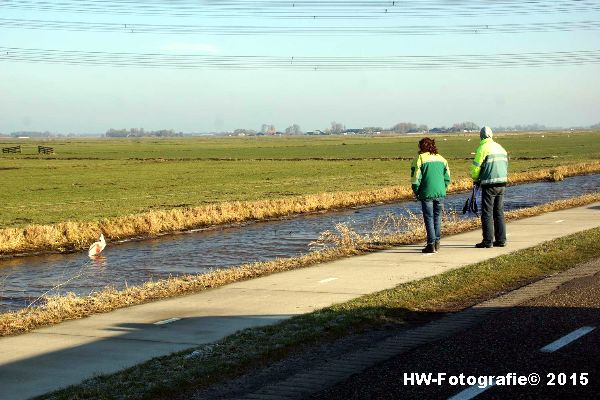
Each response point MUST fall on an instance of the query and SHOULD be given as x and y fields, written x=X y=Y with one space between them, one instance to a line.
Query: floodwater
x=24 y=279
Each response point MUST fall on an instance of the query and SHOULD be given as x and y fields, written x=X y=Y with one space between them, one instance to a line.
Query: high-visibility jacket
x=490 y=165
x=430 y=176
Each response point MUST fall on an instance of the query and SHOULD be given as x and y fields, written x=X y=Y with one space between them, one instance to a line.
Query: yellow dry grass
x=70 y=236
x=346 y=243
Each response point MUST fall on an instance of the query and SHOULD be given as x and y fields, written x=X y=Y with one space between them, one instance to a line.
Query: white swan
x=96 y=248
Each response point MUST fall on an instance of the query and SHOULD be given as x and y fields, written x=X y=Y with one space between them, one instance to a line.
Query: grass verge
x=73 y=235
x=342 y=243
x=248 y=349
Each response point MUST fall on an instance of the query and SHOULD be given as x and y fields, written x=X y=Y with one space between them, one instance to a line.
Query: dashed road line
x=167 y=321
x=565 y=340
x=328 y=280
x=307 y=383
x=476 y=390
x=470 y=392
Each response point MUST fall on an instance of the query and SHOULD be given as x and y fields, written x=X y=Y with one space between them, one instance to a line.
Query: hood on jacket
x=486 y=133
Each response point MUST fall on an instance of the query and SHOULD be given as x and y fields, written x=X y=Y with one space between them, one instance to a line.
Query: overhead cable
x=320 y=63
x=308 y=9
x=407 y=30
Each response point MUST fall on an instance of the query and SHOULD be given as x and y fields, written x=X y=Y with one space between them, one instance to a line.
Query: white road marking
x=565 y=340
x=470 y=393
x=167 y=321
x=559 y=221
x=474 y=391
x=328 y=280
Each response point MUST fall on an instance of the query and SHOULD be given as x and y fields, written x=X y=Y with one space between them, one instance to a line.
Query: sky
x=62 y=98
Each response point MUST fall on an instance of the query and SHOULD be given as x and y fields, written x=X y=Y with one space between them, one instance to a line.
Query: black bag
x=467 y=205
x=471 y=203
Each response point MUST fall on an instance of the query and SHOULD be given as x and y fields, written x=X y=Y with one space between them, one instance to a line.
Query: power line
x=409 y=30
x=308 y=9
x=321 y=63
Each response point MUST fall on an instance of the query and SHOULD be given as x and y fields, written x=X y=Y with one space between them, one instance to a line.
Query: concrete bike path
x=51 y=358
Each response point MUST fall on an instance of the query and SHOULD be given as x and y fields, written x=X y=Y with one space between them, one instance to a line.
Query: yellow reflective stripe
x=494 y=180
x=428 y=157
x=497 y=158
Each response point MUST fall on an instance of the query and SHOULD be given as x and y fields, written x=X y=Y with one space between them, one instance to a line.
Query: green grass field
x=88 y=179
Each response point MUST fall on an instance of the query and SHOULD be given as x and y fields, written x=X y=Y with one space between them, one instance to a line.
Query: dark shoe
x=430 y=248
x=483 y=245
x=499 y=244
x=436 y=246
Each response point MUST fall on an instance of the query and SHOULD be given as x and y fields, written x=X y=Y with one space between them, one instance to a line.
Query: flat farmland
x=562 y=145
x=90 y=179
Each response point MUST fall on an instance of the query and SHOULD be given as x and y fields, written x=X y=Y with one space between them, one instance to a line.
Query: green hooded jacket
x=430 y=176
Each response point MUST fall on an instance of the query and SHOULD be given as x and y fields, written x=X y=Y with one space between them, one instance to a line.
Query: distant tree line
x=595 y=126
x=336 y=128
x=140 y=132
x=293 y=130
x=521 y=128
x=408 y=127
x=32 y=134
x=466 y=126
x=244 y=132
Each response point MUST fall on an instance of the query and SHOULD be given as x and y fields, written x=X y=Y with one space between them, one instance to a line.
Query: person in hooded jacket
x=430 y=177
x=490 y=171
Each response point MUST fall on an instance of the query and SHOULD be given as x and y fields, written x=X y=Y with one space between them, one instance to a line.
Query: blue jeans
x=432 y=215
x=492 y=214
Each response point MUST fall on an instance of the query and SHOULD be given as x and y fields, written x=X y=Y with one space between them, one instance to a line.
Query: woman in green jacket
x=430 y=177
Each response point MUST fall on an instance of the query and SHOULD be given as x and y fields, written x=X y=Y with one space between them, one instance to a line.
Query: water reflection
x=99 y=263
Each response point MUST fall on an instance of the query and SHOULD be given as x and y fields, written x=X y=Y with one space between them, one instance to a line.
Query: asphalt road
x=508 y=343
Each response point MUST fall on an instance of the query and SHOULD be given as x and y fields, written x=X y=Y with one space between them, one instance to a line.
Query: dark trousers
x=432 y=215
x=492 y=214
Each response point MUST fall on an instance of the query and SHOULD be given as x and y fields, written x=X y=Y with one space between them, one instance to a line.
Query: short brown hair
x=427 y=145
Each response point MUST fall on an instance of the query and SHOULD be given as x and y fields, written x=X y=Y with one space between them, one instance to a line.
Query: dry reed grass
x=342 y=243
x=72 y=236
